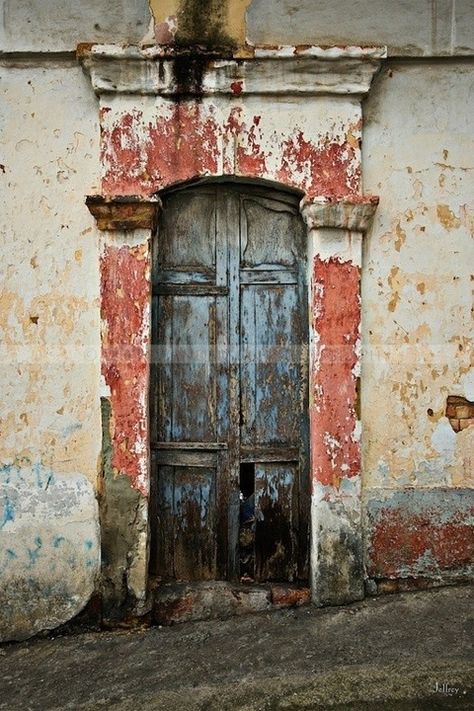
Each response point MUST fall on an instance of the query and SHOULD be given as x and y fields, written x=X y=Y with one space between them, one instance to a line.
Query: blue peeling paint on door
x=229 y=386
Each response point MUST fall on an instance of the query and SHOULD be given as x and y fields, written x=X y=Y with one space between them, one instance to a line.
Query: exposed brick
x=284 y=596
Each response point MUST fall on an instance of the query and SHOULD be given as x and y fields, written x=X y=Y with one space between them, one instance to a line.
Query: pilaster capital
x=353 y=213
x=124 y=212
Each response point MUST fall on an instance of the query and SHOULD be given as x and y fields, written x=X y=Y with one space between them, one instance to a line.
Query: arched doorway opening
x=229 y=386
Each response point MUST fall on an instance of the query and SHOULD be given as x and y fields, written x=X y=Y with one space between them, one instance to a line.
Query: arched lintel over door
x=229 y=385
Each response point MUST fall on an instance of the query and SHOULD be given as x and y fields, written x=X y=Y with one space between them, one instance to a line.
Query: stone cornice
x=127 y=212
x=267 y=71
x=353 y=213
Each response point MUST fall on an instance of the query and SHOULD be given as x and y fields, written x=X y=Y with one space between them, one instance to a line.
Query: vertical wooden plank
x=248 y=365
x=193 y=364
x=165 y=515
x=164 y=368
x=194 y=524
x=230 y=216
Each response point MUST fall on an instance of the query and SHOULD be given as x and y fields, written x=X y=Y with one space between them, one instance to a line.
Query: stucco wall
x=417 y=300
x=49 y=323
x=416 y=293
x=42 y=26
x=407 y=27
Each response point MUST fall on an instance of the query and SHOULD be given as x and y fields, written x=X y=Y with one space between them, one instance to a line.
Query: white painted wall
x=60 y=25
x=407 y=27
x=417 y=296
x=49 y=326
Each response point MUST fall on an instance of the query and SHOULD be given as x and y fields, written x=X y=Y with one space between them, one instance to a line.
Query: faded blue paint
x=8 y=512
x=49 y=547
x=34 y=553
x=70 y=429
x=443 y=504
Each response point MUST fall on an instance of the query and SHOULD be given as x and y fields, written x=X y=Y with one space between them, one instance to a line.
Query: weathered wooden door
x=229 y=386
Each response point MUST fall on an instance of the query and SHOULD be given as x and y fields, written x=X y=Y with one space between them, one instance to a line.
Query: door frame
x=303 y=135
x=227 y=540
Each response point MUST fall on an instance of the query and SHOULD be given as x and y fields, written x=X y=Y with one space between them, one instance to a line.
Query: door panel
x=276 y=498
x=186 y=517
x=270 y=365
x=187 y=234
x=229 y=386
x=187 y=330
x=268 y=234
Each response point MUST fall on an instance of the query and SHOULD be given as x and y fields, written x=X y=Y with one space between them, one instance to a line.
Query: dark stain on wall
x=202 y=22
x=201 y=37
x=118 y=507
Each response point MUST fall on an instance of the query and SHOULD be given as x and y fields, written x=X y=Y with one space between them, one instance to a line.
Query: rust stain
x=336 y=308
x=447 y=217
x=124 y=310
x=285 y=596
x=401 y=236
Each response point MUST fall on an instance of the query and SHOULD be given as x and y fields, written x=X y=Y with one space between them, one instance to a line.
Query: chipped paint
x=50 y=348
x=49 y=548
x=157 y=144
x=125 y=312
x=330 y=169
x=421 y=533
x=335 y=450
x=315 y=148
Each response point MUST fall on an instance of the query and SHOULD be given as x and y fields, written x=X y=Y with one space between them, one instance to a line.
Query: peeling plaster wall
x=417 y=301
x=50 y=347
x=160 y=142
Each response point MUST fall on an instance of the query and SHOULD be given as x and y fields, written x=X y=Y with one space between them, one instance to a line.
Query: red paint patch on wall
x=186 y=141
x=125 y=314
x=404 y=543
x=236 y=87
x=141 y=158
x=336 y=319
x=330 y=170
x=250 y=158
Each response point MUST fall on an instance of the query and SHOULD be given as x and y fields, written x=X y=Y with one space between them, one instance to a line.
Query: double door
x=229 y=387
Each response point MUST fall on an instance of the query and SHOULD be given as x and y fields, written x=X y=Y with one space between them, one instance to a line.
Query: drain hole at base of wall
x=247 y=522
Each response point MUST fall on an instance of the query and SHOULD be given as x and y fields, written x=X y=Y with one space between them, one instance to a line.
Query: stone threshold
x=218 y=600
